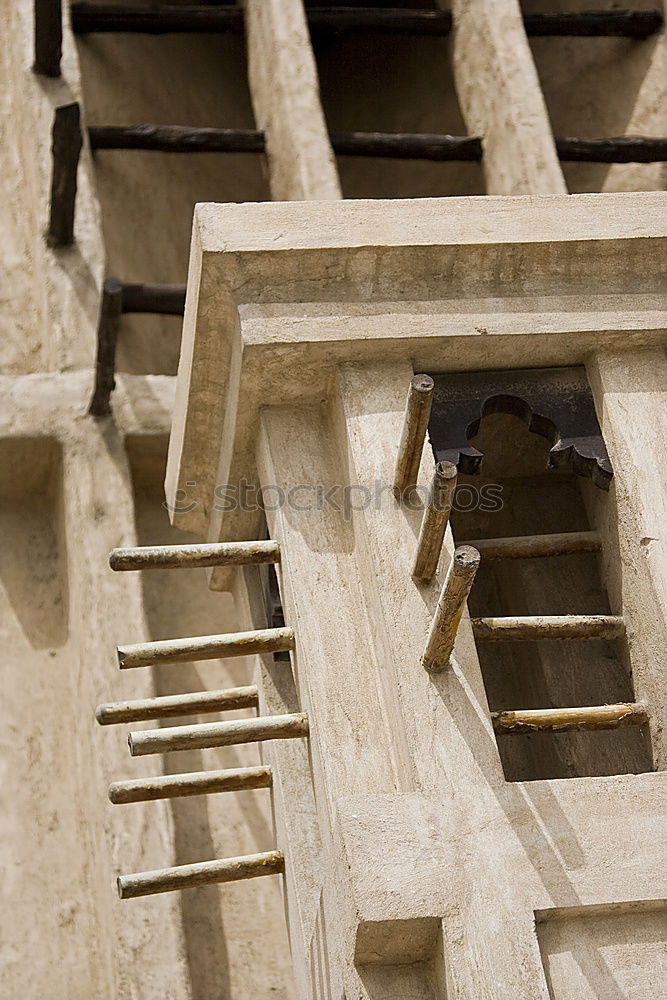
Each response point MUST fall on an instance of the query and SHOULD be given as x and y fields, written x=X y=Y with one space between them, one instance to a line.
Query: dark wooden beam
x=636 y=24
x=176 y=139
x=399 y=146
x=388 y=145
x=66 y=143
x=111 y=308
x=155 y=19
x=48 y=33
x=162 y=18
x=619 y=149
x=169 y=300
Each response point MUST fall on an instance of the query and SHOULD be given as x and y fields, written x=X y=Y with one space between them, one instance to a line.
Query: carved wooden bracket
x=555 y=403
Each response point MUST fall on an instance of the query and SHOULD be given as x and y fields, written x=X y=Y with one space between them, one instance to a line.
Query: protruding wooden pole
x=537 y=546
x=219 y=734
x=48 y=33
x=111 y=309
x=564 y=719
x=434 y=521
x=195 y=555
x=532 y=628
x=453 y=596
x=206 y=647
x=66 y=144
x=415 y=424
x=171 y=786
x=228 y=700
x=202 y=873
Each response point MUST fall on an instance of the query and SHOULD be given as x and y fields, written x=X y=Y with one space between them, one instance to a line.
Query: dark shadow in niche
x=33 y=555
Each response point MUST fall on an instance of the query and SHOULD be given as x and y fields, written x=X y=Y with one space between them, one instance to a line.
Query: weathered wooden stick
x=158 y=19
x=219 y=734
x=563 y=719
x=392 y=145
x=595 y=23
x=415 y=424
x=537 y=546
x=227 y=700
x=406 y=146
x=66 y=144
x=434 y=521
x=195 y=555
x=206 y=647
x=202 y=873
x=111 y=308
x=176 y=139
x=168 y=300
x=155 y=19
x=535 y=627
x=48 y=34
x=453 y=596
x=619 y=149
x=171 y=786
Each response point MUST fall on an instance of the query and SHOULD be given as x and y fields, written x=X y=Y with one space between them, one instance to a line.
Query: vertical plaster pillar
x=501 y=98
x=285 y=95
x=631 y=400
x=144 y=945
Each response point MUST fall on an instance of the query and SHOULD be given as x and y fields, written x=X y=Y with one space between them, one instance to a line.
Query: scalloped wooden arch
x=555 y=403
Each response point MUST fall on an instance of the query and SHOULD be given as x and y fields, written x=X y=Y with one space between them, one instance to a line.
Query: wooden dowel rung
x=171 y=786
x=198 y=703
x=537 y=627
x=219 y=734
x=202 y=873
x=537 y=546
x=161 y=19
x=48 y=35
x=435 y=520
x=66 y=144
x=564 y=719
x=453 y=597
x=613 y=149
x=206 y=647
x=415 y=425
x=391 y=145
x=195 y=555
x=176 y=138
x=167 y=300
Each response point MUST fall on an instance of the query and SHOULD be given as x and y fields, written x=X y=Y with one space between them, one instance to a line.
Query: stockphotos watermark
x=340 y=498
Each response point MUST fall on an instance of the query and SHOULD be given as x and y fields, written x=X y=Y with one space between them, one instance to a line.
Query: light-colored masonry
x=419 y=842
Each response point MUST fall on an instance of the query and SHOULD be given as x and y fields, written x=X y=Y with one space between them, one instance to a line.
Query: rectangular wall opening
x=514 y=495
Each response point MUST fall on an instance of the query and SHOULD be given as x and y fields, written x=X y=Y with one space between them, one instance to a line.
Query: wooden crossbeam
x=195 y=555
x=219 y=734
x=536 y=546
x=168 y=300
x=158 y=19
x=206 y=647
x=197 y=703
x=536 y=627
x=66 y=142
x=384 y=145
x=201 y=873
x=48 y=37
x=565 y=719
x=172 y=786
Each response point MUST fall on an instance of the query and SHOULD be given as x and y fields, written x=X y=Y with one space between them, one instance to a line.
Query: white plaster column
x=630 y=392
x=286 y=99
x=501 y=98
